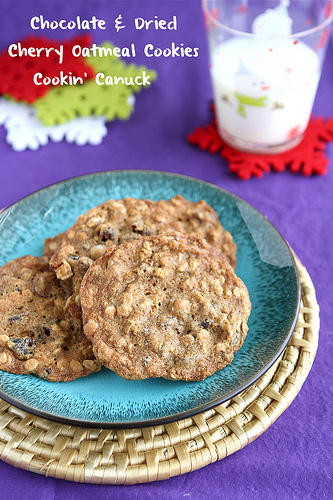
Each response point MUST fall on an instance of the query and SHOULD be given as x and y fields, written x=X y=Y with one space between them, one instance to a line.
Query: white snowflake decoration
x=26 y=131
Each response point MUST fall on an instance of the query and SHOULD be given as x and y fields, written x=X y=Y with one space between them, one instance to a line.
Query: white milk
x=264 y=88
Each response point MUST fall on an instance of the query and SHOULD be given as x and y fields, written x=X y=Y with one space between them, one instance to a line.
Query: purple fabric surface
x=293 y=458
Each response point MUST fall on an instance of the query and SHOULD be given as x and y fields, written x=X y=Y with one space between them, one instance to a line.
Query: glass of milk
x=266 y=59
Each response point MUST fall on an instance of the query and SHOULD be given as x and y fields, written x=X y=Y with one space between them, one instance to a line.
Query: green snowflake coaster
x=112 y=98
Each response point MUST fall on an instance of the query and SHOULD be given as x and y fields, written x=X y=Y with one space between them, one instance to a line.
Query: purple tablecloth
x=293 y=458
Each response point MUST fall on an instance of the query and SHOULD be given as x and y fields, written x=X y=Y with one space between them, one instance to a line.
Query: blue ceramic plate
x=265 y=264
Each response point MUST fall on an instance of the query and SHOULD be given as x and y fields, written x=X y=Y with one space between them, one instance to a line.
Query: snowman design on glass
x=250 y=90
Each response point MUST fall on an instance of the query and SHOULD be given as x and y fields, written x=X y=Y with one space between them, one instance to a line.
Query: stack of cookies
x=144 y=288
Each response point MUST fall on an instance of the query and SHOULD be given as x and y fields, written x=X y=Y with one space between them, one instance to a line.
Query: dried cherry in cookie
x=36 y=334
x=167 y=306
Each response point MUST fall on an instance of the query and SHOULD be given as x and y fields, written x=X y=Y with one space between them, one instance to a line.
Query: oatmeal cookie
x=164 y=306
x=120 y=221
x=52 y=245
x=36 y=334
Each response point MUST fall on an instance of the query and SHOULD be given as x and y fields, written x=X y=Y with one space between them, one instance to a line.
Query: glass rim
x=299 y=34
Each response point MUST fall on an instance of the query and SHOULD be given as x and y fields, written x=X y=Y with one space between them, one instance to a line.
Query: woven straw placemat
x=160 y=452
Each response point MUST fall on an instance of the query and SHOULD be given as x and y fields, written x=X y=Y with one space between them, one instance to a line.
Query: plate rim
x=197 y=409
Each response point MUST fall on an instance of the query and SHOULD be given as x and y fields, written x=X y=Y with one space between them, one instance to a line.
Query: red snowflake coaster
x=37 y=54
x=306 y=158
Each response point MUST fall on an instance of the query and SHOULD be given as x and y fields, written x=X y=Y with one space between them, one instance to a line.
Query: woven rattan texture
x=156 y=453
